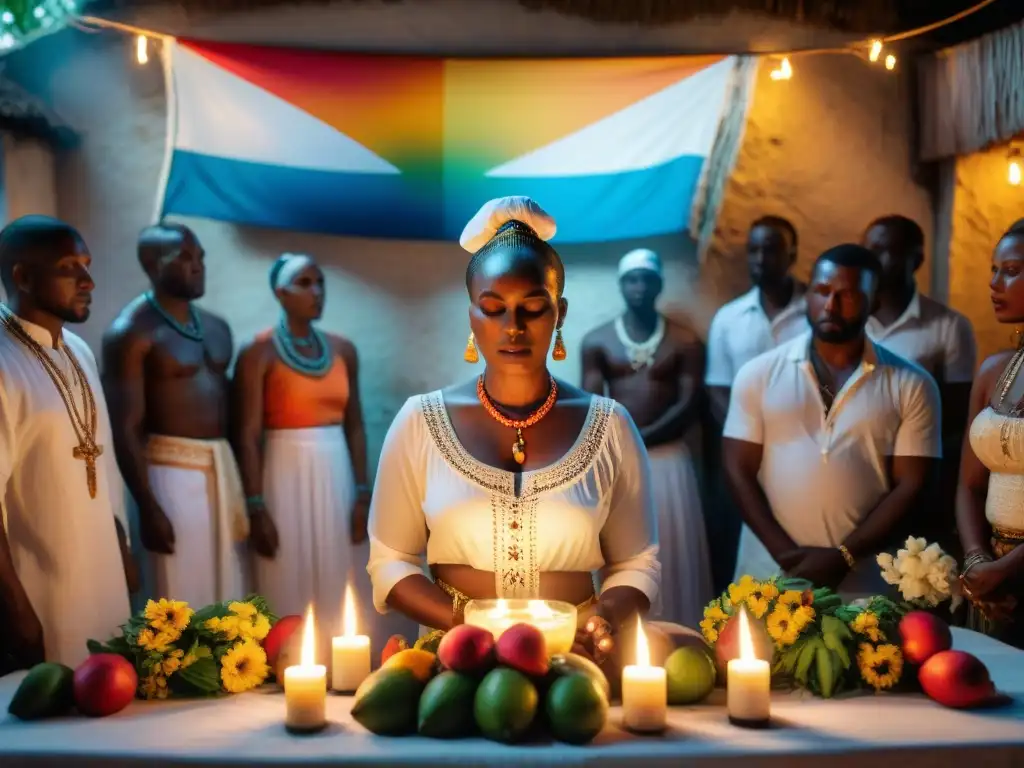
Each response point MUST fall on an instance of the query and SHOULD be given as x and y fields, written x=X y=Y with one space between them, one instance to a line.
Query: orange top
x=292 y=400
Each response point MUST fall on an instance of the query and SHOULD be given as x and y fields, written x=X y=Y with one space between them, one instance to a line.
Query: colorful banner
x=402 y=147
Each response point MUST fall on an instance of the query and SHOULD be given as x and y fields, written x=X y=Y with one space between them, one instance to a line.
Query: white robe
x=63 y=543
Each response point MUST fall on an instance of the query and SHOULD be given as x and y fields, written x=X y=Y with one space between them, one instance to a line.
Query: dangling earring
x=558 y=353
x=471 y=355
x=1018 y=338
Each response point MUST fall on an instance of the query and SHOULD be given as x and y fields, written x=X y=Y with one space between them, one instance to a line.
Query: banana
x=807 y=654
x=827 y=671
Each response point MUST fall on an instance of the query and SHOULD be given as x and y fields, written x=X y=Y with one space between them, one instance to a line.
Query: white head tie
x=641 y=258
x=293 y=264
x=495 y=213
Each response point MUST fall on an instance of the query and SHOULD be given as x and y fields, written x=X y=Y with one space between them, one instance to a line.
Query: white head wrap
x=641 y=258
x=293 y=264
x=495 y=213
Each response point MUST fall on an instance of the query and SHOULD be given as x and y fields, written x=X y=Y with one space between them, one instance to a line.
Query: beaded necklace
x=286 y=343
x=519 y=446
x=194 y=329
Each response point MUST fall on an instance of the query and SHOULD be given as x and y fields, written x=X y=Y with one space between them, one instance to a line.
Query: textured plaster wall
x=828 y=149
x=984 y=205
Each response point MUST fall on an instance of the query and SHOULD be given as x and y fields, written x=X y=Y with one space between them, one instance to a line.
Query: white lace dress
x=590 y=511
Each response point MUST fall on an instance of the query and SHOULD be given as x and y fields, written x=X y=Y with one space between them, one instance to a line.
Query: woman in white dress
x=514 y=485
x=302 y=447
x=990 y=498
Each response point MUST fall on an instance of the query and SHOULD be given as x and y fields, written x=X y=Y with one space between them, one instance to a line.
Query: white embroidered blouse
x=590 y=511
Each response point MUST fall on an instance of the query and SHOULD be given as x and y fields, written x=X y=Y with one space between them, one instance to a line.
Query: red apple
x=467 y=648
x=923 y=635
x=728 y=646
x=522 y=647
x=278 y=636
x=104 y=683
x=956 y=679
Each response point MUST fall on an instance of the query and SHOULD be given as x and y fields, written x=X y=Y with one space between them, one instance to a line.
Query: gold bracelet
x=846 y=555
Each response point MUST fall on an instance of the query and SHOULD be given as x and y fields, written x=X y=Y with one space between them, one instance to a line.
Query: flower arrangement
x=924 y=575
x=178 y=651
x=819 y=643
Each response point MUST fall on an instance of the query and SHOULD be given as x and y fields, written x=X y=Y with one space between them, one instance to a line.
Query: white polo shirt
x=740 y=331
x=823 y=474
x=937 y=338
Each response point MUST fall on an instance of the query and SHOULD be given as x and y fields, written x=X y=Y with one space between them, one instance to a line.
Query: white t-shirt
x=593 y=510
x=937 y=338
x=823 y=474
x=740 y=331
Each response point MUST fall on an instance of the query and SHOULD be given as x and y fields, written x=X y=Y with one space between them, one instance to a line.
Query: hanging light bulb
x=876 y=50
x=782 y=72
x=141 y=49
x=1013 y=174
x=890 y=62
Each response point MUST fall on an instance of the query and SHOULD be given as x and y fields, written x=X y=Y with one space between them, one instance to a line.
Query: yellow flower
x=866 y=624
x=261 y=627
x=243 y=667
x=170 y=665
x=792 y=598
x=760 y=597
x=245 y=610
x=168 y=615
x=154 y=687
x=739 y=591
x=782 y=626
x=880 y=667
x=715 y=613
x=803 y=616
x=156 y=641
x=188 y=661
x=229 y=626
x=710 y=629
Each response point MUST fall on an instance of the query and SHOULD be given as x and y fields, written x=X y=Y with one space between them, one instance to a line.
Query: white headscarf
x=495 y=213
x=293 y=264
x=641 y=258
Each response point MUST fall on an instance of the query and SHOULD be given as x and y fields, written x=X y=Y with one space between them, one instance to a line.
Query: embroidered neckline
x=574 y=463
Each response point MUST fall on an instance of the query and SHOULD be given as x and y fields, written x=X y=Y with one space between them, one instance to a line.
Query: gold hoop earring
x=471 y=355
x=558 y=352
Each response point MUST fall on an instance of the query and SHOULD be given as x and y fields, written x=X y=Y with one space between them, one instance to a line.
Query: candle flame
x=500 y=609
x=1014 y=175
x=539 y=609
x=308 y=657
x=782 y=72
x=141 y=49
x=746 y=639
x=643 y=653
x=349 y=613
x=876 y=50
x=890 y=62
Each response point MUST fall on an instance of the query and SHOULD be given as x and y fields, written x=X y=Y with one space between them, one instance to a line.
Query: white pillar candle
x=644 y=690
x=749 y=683
x=350 y=653
x=305 y=686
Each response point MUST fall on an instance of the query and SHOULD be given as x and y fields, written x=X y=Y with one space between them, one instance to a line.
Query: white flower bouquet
x=924 y=574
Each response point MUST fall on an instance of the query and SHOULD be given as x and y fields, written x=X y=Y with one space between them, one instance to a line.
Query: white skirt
x=309 y=490
x=683 y=544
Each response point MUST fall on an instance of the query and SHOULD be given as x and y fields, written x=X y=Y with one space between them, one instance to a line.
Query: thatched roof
x=23 y=114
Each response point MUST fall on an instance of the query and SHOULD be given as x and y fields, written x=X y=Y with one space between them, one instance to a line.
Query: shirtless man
x=654 y=367
x=165 y=375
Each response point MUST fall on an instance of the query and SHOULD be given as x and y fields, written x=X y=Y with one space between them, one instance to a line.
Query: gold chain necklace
x=83 y=423
x=1003 y=385
x=519 y=446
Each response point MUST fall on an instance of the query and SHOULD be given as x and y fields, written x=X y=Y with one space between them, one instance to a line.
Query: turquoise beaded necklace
x=285 y=343
x=194 y=329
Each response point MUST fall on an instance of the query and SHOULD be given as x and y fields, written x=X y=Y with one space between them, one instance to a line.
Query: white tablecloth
x=885 y=730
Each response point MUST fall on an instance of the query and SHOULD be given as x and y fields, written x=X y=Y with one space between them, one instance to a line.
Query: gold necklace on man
x=83 y=423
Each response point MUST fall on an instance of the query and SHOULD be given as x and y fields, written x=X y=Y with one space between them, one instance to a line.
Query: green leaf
x=203 y=675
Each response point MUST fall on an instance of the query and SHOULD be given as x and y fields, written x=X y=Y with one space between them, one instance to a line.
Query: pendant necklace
x=641 y=355
x=193 y=330
x=286 y=345
x=519 y=446
x=84 y=423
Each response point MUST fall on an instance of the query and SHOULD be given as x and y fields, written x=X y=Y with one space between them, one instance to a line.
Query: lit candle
x=305 y=686
x=556 y=620
x=350 y=653
x=749 y=683
x=644 y=690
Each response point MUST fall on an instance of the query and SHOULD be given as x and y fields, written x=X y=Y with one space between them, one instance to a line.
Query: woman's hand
x=983 y=579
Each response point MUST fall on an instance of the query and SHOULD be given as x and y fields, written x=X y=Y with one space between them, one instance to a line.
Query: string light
x=890 y=62
x=141 y=49
x=782 y=72
x=876 y=50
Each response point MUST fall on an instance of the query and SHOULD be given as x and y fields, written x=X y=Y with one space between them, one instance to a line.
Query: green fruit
x=446 y=706
x=562 y=664
x=505 y=704
x=47 y=691
x=691 y=675
x=577 y=709
x=386 y=702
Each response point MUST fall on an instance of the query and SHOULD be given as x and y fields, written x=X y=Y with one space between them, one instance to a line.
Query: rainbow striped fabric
x=403 y=147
